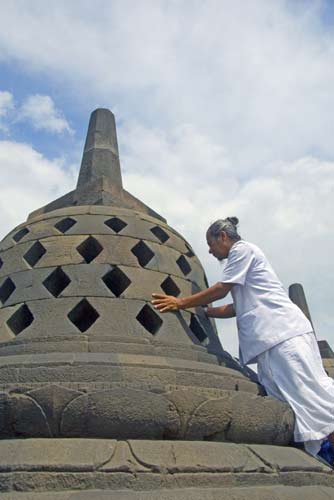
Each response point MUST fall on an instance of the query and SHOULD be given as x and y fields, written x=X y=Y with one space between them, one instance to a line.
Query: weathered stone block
x=53 y=399
x=224 y=493
x=121 y=413
x=288 y=459
x=70 y=455
x=260 y=420
x=26 y=418
x=196 y=456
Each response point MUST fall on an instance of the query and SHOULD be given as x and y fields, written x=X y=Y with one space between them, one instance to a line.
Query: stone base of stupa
x=94 y=469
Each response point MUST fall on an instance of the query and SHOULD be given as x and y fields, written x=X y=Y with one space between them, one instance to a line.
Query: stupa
x=103 y=397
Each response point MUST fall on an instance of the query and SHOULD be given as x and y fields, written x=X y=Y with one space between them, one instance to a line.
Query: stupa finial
x=100 y=156
x=297 y=295
x=100 y=178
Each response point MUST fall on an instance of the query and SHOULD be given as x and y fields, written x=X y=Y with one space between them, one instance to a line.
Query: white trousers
x=293 y=372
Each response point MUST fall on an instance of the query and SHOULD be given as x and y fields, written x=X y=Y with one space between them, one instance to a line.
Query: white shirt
x=265 y=314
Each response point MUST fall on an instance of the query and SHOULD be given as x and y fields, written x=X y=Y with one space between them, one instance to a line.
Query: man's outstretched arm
x=226 y=311
x=165 y=303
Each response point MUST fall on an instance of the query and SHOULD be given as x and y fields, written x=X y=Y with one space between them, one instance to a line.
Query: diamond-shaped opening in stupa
x=20 y=234
x=183 y=265
x=6 y=290
x=116 y=224
x=149 y=319
x=197 y=329
x=56 y=282
x=170 y=287
x=160 y=234
x=20 y=320
x=34 y=254
x=65 y=225
x=116 y=281
x=143 y=253
x=189 y=252
x=83 y=315
x=89 y=249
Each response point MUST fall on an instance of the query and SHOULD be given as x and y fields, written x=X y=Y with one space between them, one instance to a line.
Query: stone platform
x=158 y=470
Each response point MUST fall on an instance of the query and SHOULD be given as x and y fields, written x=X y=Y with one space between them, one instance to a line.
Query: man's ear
x=223 y=236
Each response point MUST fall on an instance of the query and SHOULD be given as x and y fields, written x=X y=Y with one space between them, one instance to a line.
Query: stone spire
x=100 y=178
x=297 y=295
x=100 y=156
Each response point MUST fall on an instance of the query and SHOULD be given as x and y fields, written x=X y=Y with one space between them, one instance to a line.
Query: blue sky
x=225 y=105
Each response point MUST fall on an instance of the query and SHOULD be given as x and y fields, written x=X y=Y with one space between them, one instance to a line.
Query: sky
x=223 y=108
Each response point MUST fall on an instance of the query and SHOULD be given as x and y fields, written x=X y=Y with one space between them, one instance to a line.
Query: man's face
x=217 y=246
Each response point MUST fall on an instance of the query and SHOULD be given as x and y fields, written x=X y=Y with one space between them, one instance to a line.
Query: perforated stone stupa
x=104 y=397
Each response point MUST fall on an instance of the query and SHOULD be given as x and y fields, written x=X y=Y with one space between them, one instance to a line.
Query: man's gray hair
x=228 y=225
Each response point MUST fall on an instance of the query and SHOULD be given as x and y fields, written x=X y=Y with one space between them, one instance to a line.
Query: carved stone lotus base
x=127 y=396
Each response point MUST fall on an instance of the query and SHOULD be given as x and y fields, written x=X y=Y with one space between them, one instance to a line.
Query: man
x=272 y=332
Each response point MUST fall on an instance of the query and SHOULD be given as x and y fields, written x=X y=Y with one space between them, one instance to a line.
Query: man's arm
x=226 y=311
x=166 y=303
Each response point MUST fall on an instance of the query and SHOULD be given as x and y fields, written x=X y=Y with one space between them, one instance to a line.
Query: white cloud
x=28 y=181
x=258 y=75
x=6 y=105
x=41 y=113
x=6 y=102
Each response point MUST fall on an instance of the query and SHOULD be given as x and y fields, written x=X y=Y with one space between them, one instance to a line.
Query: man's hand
x=165 y=303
